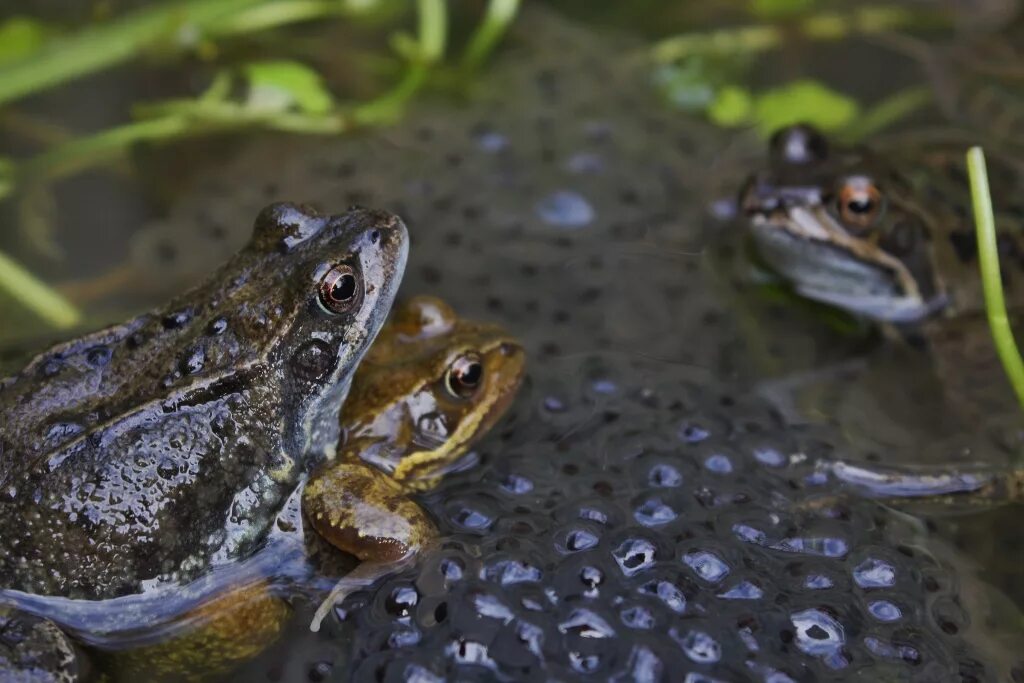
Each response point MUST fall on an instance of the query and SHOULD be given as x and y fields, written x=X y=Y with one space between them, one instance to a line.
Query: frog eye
x=860 y=202
x=341 y=289
x=465 y=375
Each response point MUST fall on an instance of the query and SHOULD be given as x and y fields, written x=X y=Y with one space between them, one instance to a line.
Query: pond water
x=639 y=514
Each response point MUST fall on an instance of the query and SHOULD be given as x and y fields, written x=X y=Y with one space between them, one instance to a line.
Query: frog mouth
x=823 y=262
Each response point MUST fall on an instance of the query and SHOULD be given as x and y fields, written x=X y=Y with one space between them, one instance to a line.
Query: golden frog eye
x=860 y=202
x=341 y=289
x=465 y=375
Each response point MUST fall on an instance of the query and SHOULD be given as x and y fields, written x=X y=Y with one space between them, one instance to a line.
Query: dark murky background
x=634 y=517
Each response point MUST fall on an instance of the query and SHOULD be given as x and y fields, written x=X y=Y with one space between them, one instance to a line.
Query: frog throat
x=817 y=228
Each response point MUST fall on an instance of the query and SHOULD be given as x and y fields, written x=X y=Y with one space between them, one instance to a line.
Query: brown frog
x=140 y=464
x=847 y=228
x=431 y=385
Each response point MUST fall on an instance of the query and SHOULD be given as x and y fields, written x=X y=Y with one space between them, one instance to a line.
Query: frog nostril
x=375 y=236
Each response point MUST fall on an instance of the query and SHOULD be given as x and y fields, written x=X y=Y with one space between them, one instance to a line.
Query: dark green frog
x=137 y=459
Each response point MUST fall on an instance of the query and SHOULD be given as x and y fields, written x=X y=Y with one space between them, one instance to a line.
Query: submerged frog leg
x=946 y=486
x=35 y=649
x=362 y=511
x=210 y=640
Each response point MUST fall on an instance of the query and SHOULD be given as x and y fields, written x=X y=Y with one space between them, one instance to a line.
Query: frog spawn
x=512 y=596
x=630 y=521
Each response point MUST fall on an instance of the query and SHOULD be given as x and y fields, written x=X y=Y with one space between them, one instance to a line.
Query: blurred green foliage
x=773 y=9
x=20 y=37
x=284 y=85
x=804 y=100
x=278 y=94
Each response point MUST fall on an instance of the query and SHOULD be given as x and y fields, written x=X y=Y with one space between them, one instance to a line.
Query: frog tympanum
x=139 y=458
x=430 y=386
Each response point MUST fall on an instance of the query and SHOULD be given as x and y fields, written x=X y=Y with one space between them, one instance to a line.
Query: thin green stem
x=828 y=26
x=995 y=305
x=107 y=44
x=274 y=14
x=500 y=14
x=36 y=295
x=433 y=29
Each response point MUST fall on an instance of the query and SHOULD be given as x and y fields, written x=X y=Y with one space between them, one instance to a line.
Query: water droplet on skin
x=193 y=361
x=654 y=512
x=98 y=356
x=565 y=209
x=217 y=326
x=177 y=319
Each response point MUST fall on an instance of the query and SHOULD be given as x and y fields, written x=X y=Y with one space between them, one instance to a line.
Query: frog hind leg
x=363 y=512
x=219 y=635
x=35 y=650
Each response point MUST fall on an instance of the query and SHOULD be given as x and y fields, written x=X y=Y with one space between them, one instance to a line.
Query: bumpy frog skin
x=431 y=385
x=842 y=228
x=143 y=455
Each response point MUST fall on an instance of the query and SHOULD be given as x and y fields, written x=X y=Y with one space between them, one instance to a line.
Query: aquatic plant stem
x=500 y=14
x=754 y=39
x=36 y=296
x=995 y=305
x=104 y=45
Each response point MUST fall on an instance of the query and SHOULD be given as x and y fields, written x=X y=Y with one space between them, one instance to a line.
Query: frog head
x=843 y=229
x=431 y=385
x=334 y=279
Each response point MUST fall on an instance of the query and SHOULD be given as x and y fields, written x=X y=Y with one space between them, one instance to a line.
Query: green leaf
x=803 y=101
x=733 y=106
x=773 y=9
x=20 y=37
x=285 y=85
